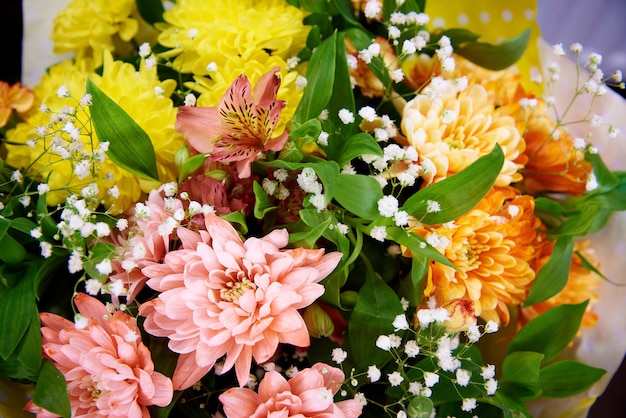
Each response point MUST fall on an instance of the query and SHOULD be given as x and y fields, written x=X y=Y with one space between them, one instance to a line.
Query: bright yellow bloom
x=493 y=248
x=205 y=32
x=139 y=93
x=89 y=28
x=451 y=130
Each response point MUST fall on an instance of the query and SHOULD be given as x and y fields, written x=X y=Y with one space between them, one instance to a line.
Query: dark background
x=610 y=405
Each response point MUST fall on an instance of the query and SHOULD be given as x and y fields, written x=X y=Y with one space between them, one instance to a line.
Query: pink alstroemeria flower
x=222 y=296
x=240 y=127
x=108 y=370
x=309 y=394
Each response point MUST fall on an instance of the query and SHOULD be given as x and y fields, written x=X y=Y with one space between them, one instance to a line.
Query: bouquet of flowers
x=308 y=208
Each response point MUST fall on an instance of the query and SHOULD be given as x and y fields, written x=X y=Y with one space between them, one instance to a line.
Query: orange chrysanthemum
x=14 y=97
x=493 y=249
x=554 y=163
x=451 y=130
x=582 y=284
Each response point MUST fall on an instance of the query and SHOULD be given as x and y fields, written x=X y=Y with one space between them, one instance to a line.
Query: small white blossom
x=433 y=206
x=103 y=229
x=462 y=377
x=75 y=262
x=63 y=91
x=397 y=75
x=415 y=388
x=192 y=33
x=473 y=333
x=491 y=386
x=592 y=182
x=491 y=327
x=322 y=139
x=411 y=348
x=121 y=224
x=576 y=48
x=131 y=336
x=346 y=116
x=394 y=32
x=339 y=355
x=408 y=47
x=401 y=218
x=301 y=82
x=388 y=206
x=400 y=323
x=17 y=176
x=368 y=113
x=129 y=265
x=318 y=200
x=430 y=379
x=373 y=373
x=211 y=67
x=80 y=321
x=488 y=372
x=372 y=9
x=116 y=288
x=383 y=342
x=93 y=286
x=144 y=50
x=395 y=378
x=24 y=200
x=36 y=233
x=104 y=267
x=468 y=404
x=360 y=398
x=379 y=233
x=558 y=49
x=46 y=249
x=190 y=99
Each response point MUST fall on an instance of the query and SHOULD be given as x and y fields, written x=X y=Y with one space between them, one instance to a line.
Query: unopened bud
x=318 y=322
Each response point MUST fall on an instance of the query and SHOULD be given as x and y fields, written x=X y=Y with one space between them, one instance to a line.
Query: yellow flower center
x=235 y=289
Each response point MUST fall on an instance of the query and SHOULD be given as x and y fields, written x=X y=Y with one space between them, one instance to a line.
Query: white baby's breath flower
x=400 y=322
x=395 y=378
x=373 y=373
x=388 y=206
x=339 y=355
x=383 y=342
x=346 y=116
x=93 y=286
x=80 y=321
x=430 y=379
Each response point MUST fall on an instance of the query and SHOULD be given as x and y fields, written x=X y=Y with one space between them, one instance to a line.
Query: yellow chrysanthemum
x=207 y=33
x=451 y=130
x=139 y=93
x=493 y=249
x=89 y=28
x=582 y=285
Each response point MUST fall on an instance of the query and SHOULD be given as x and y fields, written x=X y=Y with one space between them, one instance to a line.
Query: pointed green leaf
x=151 y=10
x=567 y=377
x=51 y=391
x=495 y=56
x=262 y=202
x=359 y=194
x=552 y=277
x=522 y=368
x=550 y=332
x=16 y=306
x=129 y=145
x=458 y=193
x=376 y=307
x=320 y=77
x=358 y=145
x=416 y=244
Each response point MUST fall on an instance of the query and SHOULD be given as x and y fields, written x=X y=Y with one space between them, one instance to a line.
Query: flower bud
x=460 y=315
x=318 y=322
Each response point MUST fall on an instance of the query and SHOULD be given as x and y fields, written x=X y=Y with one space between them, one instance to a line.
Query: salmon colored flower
x=582 y=285
x=309 y=394
x=460 y=315
x=108 y=370
x=493 y=249
x=240 y=127
x=222 y=296
x=451 y=130
x=14 y=97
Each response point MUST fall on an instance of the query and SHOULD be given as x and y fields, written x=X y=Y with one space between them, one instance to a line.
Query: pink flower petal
x=239 y=402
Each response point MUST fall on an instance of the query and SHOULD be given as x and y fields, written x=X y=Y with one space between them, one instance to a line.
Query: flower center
x=235 y=289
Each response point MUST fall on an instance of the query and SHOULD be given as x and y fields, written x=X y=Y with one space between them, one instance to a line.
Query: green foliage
x=151 y=10
x=51 y=391
x=495 y=56
x=129 y=145
x=376 y=307
x=459 y=193
x=550 y=332
x=567 y=377
x=552 y=277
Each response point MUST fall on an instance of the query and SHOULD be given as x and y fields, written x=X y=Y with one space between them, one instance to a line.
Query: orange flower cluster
x=493 y=248
x=15 y=97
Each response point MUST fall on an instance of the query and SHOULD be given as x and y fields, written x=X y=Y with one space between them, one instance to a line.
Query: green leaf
x=51 y=391
x=237 y=218
x=262 y=202
x=311 y=128
x=151 y=10
x=129 y=145
x=316 y=6
x=495 y=56
x=320 y=78
x=522 y=368
x=16 y=306
x=567 y=377
x=344 y=7
x=376 y=307
x=550 y=332
x=552 y=277
x=458 y=193
x=412 y=286
x=363 y=203
x=417 y=245
x=12 y=251
x=358 y=145
x=29 y=351
x=311 y=236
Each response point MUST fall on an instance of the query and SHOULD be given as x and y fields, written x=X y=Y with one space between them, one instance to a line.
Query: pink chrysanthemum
x=223 y=296
x=109 y=371
x=309 y=394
